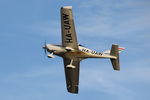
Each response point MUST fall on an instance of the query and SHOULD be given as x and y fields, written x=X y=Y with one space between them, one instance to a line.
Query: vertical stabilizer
x=115 y=52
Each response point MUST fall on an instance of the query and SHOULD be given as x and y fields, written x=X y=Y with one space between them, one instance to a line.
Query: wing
x=72 y=75
x=69 y=38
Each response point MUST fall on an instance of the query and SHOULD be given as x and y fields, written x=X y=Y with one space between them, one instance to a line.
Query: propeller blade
x=45 y=51
x=45 y=43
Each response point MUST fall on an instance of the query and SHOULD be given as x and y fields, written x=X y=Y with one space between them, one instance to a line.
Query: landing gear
x=70 y=65
x=51 y=55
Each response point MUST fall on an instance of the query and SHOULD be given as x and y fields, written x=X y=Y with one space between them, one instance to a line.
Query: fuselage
x=82 y=52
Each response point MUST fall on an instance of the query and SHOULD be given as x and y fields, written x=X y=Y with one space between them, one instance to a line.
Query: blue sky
x=25 y=74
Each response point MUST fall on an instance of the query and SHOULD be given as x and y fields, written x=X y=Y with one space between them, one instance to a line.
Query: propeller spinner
x=45 y=51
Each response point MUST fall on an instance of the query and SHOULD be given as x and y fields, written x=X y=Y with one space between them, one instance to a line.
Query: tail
x=115 y=52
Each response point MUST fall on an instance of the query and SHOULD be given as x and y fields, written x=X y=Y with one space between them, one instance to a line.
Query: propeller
x=45 y=51
x=44 y=47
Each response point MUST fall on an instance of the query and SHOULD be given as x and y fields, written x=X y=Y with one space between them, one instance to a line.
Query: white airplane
x=72 y=52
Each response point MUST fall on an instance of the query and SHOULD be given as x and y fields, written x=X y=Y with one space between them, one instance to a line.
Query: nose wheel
x=70 y=65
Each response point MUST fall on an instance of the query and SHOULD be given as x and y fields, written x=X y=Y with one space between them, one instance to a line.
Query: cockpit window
x=81 y=45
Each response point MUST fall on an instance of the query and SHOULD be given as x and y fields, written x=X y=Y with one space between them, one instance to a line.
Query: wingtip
x=66 y=7
x=73 y=89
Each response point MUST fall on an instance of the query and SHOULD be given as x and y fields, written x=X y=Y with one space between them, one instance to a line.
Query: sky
x=26 y=74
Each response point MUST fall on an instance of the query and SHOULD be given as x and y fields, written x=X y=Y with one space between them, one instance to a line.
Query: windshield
x=81 y=45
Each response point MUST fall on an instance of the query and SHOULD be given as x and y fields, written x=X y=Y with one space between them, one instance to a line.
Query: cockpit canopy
x=81 y=45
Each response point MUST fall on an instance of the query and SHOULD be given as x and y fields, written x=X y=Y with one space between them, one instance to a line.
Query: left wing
x=69 y=38
x=72 y=75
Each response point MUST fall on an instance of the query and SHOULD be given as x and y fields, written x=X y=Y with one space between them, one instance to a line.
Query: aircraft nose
x=44 y=47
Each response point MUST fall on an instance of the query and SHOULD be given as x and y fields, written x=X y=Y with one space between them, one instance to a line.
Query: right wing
x=69 y=38
x=72 y=75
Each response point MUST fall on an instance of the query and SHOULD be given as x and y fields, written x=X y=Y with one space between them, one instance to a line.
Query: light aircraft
x=72 y=52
